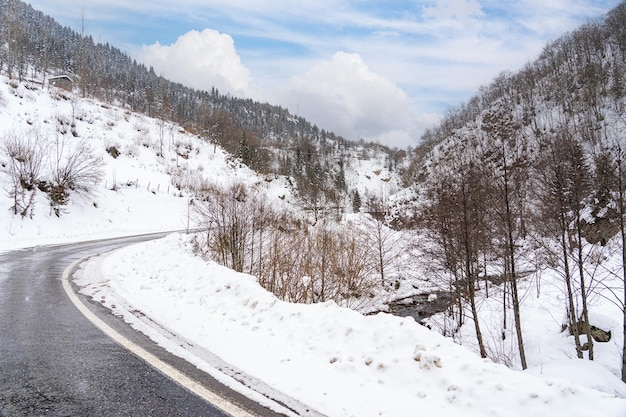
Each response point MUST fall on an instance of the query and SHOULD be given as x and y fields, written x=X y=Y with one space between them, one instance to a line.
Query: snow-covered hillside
x=139 y=191
x=148 y=167
x=336 y=360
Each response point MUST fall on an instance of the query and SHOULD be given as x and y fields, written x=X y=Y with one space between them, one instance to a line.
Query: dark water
x=418 y=306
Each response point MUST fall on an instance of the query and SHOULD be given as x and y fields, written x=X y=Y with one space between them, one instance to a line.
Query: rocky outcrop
x=602 y=229
x=598 y=334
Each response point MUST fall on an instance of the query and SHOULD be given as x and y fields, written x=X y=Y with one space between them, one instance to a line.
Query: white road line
x=193 y=386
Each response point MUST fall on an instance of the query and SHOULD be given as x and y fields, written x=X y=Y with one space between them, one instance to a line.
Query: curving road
x=54 y=362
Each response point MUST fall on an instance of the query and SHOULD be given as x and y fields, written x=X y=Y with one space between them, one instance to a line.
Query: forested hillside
x=530 y=174
x=38 y=45
x=265 y=137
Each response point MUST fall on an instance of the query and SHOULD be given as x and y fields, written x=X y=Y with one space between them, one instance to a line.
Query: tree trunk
x=469 y=273
x=486 y=280
x=459 y=299
x=381 y=251
x=505 y=286
x=623 y=236
x=573 y=321
x=513 y=277
x=583 y=290
x=472 y=296
x=516 y=314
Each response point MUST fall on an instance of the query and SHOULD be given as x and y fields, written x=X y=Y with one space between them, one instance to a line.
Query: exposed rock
x=113 y=151
x=600 y=335
x=602 y=229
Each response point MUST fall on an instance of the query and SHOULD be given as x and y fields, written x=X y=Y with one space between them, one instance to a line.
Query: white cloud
x=200 y=60
x=342 y=95
x=462 y=10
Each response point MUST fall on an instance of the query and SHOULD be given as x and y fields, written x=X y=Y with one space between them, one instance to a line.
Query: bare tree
x=611 y=174
x=225 y=214
x=237 y=220
x=457 y=215
x=440 y=225
x=620 y=159
x=564 y=183
x=388 y=246
x=510 y=179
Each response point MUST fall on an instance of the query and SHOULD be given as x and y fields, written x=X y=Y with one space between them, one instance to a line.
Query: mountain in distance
x=267 y=138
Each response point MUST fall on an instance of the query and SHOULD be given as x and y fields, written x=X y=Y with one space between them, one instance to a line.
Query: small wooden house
x=61 y=81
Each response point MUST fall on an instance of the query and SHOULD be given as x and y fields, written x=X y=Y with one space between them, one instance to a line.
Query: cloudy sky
x=381 y=70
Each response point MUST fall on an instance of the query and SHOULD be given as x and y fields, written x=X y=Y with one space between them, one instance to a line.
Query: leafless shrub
x=62 y=123
x=185 y=179
x=332 y=263
x=142 y=138
x=297 y=262
x=75 y=169
x=23 y=158
x=60 y=95
x=183 y=149
x=227 y=215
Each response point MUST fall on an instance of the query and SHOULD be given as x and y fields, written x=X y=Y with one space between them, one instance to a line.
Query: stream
x=421 y=306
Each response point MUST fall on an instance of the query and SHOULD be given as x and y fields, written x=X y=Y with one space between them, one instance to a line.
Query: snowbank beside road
x=336 y=360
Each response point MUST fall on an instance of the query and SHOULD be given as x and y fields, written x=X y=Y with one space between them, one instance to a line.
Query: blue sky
x=380 y=70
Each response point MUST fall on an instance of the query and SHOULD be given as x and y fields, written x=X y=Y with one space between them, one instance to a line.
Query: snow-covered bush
x=76 y=168
x=248 y=235
x=22 y=160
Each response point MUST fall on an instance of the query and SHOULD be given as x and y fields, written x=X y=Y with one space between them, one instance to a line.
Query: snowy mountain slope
x=505 y=152
x=139 y=190
x=267 y=138
x=153 y=158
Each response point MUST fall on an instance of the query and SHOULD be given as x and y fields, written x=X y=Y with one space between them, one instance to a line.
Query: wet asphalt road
x=54 y=362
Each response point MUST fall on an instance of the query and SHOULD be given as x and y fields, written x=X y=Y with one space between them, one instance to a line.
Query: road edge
x=163 y=367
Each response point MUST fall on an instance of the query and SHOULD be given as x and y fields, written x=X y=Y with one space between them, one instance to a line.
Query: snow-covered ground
x=336 y=360
x=333 y=359
x=138 y=190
